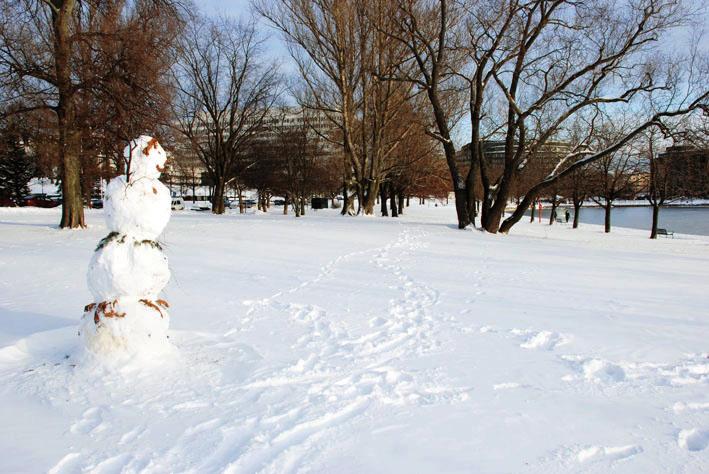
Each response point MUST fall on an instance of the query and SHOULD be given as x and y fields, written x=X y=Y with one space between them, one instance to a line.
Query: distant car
x=39 y=200
x=96 y=203
x=7 y=202
x=249 y=203
x=279 y=202
x=177 y=204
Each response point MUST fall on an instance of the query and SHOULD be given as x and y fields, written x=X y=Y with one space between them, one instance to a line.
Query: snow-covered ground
x=331 y=344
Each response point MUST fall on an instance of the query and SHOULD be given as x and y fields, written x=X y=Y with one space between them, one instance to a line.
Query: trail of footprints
x=256 y=427
x=343 y=374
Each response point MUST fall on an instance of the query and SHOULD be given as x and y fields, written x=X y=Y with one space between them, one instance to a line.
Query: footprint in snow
x=544 y=340
x=681 y=407
x=693 y=439
x=69 y=463
x=594 y=370
x=608 y=453
x=91 y=422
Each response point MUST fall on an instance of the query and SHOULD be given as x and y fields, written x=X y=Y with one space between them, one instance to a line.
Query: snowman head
x=147 y=158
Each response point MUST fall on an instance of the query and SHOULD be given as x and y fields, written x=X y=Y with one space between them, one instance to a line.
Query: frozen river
x=683 y=220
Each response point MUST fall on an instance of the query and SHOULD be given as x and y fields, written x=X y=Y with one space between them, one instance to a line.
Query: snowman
x=128 y=269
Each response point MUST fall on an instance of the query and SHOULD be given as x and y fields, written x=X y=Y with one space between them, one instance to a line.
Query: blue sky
x=277 y=50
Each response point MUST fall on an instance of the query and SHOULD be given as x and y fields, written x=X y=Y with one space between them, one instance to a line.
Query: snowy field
x=348 y=345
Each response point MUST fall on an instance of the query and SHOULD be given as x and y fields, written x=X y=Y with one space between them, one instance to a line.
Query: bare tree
x=226 y=89
x=58 y=55
x=576 y=186
x=343 y=55
x=547 y=61
x=36 y=64
x=612 y=175
x=426 y=29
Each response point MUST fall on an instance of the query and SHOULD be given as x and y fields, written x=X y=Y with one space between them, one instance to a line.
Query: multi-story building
x=688 y=170
x=190 y=176
x=547 y=156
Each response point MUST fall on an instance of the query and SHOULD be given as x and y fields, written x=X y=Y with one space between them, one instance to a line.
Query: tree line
x=388 y=89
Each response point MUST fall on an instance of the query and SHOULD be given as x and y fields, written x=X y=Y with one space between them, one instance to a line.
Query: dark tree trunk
x=370 y=195
x=360 y=198
x=461 y=208
x=218 y=197
x=285 y=204
x=577 y=212
x=401 y=203
x=655 y=220
x=408 y=203
x=552 y=215
x=72 y=205
x=345 y=200
x=531 y=211
x=607 y=220
x=302 y=206
x=392 y=200
x=383 y=199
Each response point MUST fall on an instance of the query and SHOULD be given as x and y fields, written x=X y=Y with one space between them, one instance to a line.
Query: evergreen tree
x=17 y=167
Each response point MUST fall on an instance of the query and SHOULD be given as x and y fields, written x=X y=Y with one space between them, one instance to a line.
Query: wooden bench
x=666 y=233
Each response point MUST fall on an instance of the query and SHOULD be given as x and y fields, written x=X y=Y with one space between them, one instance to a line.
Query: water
x=683 y=220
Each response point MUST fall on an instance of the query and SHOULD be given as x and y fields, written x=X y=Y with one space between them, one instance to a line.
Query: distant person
x=555 y=216
x=567 y=215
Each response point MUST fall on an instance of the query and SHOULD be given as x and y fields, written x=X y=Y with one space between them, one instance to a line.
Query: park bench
x=666 y=233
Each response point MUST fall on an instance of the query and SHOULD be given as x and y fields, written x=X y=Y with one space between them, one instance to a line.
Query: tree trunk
x=383 y=199
x=392 y=201
x=492 y=218
x=72 y=205
x=607 y=220
x=577 y=211
x=285 y=205
x=370 y=197
x=408 y=203
x=655 y=220
x=532 y=210
x=345 y=200
x=218 y=197
x=461 y=208
x=302 y=206
x=401 y=203
x=552 y=217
